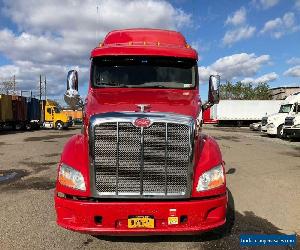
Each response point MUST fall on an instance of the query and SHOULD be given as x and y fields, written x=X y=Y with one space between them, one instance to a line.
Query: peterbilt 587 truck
x=141 y=164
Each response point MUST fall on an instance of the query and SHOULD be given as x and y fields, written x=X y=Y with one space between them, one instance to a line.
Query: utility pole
x=45 y=82
x=40 y=87
x=14 y=83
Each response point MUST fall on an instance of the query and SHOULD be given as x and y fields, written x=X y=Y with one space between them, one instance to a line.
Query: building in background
x=280 y=93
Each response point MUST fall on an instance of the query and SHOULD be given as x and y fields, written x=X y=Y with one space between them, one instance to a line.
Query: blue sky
x=250 y=41
x=211 y=18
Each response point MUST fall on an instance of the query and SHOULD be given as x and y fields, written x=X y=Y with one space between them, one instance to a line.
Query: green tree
x=244 y=91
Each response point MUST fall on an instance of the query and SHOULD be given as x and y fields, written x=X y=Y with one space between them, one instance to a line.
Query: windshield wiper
x=150 y=86
x=111 y=85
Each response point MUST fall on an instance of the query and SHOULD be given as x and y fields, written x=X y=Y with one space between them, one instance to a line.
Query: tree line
x=244 y=91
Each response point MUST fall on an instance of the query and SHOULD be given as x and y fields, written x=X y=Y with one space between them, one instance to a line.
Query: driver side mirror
x=72 y=97
x=213 y=92
x=214 y=89
x=72 y=80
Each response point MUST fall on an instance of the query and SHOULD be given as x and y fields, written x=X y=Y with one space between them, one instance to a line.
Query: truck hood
x=277 y=117
x=185 y=102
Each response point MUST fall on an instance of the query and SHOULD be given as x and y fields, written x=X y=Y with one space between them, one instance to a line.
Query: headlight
x=296 y=126
x=210 y=179
x=71 y=178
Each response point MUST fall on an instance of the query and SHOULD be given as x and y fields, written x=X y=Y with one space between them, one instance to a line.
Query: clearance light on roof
x=187 y=46
x=100 y=44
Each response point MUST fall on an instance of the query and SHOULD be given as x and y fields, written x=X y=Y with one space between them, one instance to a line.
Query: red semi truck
x=141 y=164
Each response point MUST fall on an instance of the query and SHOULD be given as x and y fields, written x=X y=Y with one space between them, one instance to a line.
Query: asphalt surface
x=263 y=177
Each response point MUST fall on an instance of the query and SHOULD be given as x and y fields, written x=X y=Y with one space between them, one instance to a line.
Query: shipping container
x=19 y=108
x=33 y=109
x=6 y=113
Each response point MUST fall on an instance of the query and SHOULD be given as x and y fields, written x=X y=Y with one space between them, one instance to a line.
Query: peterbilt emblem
x=143 y=107
x=142 y=122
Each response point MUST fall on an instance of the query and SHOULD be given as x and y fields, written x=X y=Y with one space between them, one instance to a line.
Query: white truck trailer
x=243 y=112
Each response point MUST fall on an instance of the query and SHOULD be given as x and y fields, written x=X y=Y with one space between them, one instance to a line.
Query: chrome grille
x=289 y=121
x=142 y=162
x=264 y=121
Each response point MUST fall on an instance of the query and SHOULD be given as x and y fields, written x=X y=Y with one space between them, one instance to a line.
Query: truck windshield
x=144 y=72
x=56 y=109
x=285 y=108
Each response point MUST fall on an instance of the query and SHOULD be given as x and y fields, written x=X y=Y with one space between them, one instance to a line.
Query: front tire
x=59 y=125
x=280 y=131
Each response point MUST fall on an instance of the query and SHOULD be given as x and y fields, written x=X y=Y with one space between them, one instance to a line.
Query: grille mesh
x=106 y=157
x=264 y=121
x=129 y=158
x=135 y=161
x=289 y=121
x=154 y=177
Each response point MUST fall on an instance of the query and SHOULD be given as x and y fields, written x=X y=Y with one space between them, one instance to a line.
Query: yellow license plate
x=172 y=220
x=141 y=222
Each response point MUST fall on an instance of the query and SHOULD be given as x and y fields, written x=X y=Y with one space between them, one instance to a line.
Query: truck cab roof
x=293 y=98
x=150 y=42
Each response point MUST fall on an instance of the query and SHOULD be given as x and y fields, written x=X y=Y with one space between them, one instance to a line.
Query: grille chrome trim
x=130 y=117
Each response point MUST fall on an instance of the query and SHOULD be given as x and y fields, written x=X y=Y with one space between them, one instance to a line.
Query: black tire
x=28 y=126
x=59 y=125
x=280 y=131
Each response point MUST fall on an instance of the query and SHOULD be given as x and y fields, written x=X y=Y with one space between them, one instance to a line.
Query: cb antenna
x=98 y=22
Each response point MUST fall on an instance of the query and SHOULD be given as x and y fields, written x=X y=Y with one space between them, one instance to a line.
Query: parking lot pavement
x=262 y=175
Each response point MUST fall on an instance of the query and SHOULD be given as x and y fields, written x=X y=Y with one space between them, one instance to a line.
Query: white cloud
x=238 y=17
x=235 y=35
x=265 y=4
x=241 y=31
x=205 y=72
x=54 y=36
x=270 y=77
x=237 y=65
x=293 y=60
x=27 y=75
x=7 y=71
x=294 y=71
x=279 y=27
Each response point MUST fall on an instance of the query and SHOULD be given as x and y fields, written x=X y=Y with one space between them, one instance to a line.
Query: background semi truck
x=241 y=112
x=273 y=124
x=291 y=128
x=55 y=117
x=142 y=164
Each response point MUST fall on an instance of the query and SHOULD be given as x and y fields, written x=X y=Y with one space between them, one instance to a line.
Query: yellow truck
x=54 y=117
